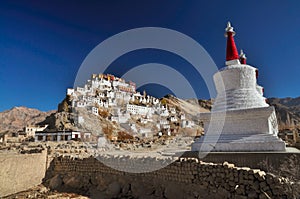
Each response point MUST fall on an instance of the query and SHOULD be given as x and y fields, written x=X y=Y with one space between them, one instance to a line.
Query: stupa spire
x=243 y=57
x=232 y=55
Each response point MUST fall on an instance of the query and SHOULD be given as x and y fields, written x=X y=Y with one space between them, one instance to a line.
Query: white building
x=56 y=135
x=133 y=127
x=143 y=120
x=145 y=132
x=155 y=101
x=187 y=124
x=120 y=118
x=164 y=112
x=182 y=116
x=173 y=118
x=80 y=90
x=173 y=111
x=138 y=110
x=95 y=110
x=164 y=124
x=81 y=104
x=70 y=91
x=31 y=129
x=163 y=121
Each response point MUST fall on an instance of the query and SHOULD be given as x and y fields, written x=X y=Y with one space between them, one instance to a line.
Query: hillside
x=190 y=106
x=17 y=118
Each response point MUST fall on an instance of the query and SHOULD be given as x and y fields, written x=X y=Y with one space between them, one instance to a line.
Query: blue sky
x=43 y=43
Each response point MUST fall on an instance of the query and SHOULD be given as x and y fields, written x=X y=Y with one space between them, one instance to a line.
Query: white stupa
x=241 y=120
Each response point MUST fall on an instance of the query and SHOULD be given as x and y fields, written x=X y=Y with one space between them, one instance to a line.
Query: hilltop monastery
x=120 y=98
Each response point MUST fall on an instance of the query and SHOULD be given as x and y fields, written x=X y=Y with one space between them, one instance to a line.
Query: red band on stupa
x=243 y=57
x=231 y=50
x=243 y=61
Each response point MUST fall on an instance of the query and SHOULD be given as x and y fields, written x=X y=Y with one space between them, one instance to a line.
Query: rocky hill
x=17 y=118
x=66 y=118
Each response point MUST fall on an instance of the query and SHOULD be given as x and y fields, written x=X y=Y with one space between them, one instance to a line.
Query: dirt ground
x=43 y=192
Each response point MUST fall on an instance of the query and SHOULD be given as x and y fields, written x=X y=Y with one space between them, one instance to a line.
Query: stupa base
x=276 y=145
x=240 y=130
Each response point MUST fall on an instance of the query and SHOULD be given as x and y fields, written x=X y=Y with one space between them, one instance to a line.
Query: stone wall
x=258 y=160
x=20 y=172
x=184 y=178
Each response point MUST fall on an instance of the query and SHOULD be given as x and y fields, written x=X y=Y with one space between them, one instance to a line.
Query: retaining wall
x=184 y=178
x=19 y=172
x=257 y=160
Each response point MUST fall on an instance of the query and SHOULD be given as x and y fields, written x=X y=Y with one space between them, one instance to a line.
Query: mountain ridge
x=16 y=118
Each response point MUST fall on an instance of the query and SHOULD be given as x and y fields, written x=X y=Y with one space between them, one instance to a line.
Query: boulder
x=113 y=189
x=174 y=191
x=142 y=189
x=55 y=182
x=73 y=181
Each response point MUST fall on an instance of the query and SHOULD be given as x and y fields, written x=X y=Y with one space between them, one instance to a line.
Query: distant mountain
x=288 y=111
x=17 y=118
